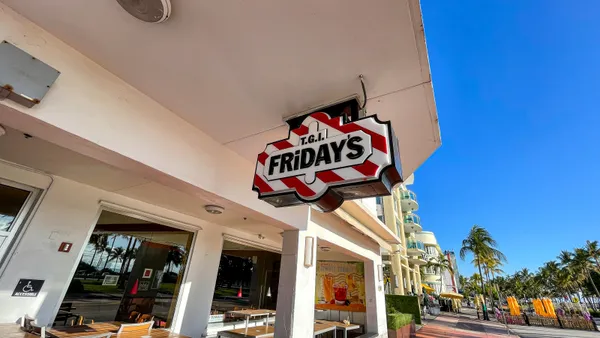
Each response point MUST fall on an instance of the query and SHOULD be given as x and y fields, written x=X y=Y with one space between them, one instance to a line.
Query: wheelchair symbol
x=28 y=287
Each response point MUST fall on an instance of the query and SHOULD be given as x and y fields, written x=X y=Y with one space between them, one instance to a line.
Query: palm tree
x=492 y=266
x=442 y=264
x=593 y=250
x=577 y=264
x=116 y=255
x=109 y=249
x=583 y=263
x=174 y=257
x=99 y=242
x=480 y=243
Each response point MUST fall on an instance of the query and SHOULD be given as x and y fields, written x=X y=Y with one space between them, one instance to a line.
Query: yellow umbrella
x=427 y=288
x=451 y=295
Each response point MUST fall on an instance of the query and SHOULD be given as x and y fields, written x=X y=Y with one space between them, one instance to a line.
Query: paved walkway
x=462 y=325
x=549 y=332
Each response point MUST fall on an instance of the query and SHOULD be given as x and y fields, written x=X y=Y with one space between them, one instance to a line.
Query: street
x=546 y=332
x=466 y=325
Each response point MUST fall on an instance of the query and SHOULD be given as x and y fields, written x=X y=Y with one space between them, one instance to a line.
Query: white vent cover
x=154 y=11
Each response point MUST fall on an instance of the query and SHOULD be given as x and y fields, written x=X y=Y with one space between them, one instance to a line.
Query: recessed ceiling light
x=153 y=11
x=325 y=248
x=214 y=209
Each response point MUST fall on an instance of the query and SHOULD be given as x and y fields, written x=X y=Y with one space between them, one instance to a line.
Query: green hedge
x=397 y=320
x=404 y=304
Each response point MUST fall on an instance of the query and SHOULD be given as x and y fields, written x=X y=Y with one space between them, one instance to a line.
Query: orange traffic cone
x=240 y=293
x=134 y=289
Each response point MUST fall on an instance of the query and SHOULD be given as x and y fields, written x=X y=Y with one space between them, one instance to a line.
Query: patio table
x=253 y=332
x=98 y=328
x=324 y=327
x=342 y=326
x=247 y=314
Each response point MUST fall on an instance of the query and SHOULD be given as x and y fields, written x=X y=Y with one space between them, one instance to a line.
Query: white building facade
x=432 y=277
x=149 y=126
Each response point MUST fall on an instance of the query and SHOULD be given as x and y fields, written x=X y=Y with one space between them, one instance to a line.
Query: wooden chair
x=79 y=321
x=145 y=318
x=102 y=335
x=64 y=313
x=138 y=328
x=28 y=325
x=133 y=316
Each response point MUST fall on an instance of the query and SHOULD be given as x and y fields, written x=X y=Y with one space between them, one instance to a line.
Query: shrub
x=396 y=320
x=595 y=313
x=404 y=304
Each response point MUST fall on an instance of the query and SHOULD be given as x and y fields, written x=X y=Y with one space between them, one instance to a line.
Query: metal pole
x=502 y=309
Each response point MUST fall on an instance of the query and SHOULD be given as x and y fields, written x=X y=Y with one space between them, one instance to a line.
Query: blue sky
x=516 y=86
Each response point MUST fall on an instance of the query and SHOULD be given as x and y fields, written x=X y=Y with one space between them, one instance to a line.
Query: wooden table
x=247 y=314
x=253 y=332
x=14 y=331
x=323 y=327
x=98 y=328
x=342 y=326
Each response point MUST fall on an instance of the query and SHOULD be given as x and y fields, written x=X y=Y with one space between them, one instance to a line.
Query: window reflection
x=11 y=201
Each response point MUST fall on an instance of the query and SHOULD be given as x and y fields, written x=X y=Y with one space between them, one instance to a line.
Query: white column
x=296 y=294
x=375 y=298
x=397 y=271
x=197 y=290
x=415 y=280
x=419 y=282
x=408 y=277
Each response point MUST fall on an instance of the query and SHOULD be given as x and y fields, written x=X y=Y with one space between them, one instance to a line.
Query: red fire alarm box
x=65 y=247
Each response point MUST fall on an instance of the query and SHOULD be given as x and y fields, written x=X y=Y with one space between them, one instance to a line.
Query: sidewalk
x=462 y=325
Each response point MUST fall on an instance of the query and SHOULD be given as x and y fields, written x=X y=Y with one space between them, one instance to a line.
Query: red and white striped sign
x=321 y=154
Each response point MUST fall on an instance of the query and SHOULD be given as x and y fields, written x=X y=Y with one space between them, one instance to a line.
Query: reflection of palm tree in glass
x=6 y=222
x=174 y=258
x=117 y=254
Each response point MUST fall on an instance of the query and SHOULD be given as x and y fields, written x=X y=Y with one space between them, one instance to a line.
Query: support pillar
x=419 y=282
x=375 y=298
x=397 y=271
x=296 y=292
x=407 y=275
x=415 y=280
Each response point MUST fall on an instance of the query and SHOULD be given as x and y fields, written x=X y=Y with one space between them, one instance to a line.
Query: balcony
x=412 y=223
x=415 y=247
x=417 y=260
x=408 y=199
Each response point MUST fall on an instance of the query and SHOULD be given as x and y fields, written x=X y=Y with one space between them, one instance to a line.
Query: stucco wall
x=68 y=213
x=93 y=112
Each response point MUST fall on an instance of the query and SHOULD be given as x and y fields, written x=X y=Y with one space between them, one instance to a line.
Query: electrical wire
x=362 y=83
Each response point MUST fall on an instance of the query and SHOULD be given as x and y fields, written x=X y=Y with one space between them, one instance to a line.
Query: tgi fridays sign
x=325 y=161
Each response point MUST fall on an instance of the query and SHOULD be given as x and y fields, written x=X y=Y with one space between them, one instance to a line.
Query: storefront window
x=247 y=278
x=11 y=202
x=15 y=201
x=131 y=271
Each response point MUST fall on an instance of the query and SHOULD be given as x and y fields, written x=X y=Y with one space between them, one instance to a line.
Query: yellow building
x=403 y=264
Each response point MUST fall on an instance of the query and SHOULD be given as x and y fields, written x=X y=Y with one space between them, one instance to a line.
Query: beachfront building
x=404 y=262
x=432 y=277
x=129 y=150
x=451 y=280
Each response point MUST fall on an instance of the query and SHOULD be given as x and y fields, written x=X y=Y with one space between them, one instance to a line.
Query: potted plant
x=400 y=325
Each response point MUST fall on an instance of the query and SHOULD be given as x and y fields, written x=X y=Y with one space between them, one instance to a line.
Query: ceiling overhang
x=236 y=70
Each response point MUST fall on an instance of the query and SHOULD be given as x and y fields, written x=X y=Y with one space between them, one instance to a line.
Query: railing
x=412 y=244
x=407 y=194
x=412 y=218
x=565 y=322
x=429 y=271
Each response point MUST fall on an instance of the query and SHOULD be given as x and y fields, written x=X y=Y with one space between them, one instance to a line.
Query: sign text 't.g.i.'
x=326 y=161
